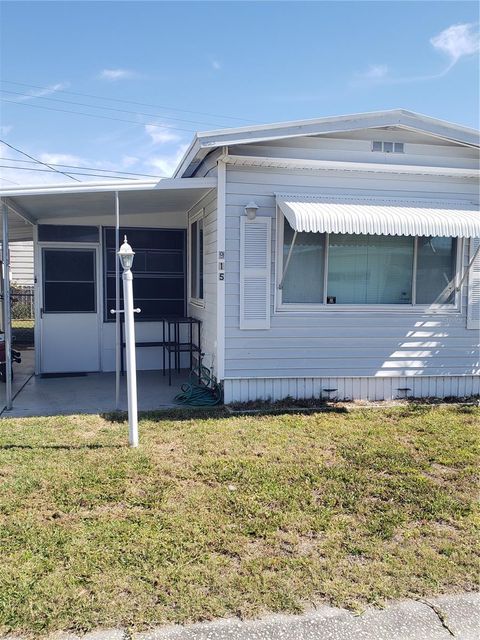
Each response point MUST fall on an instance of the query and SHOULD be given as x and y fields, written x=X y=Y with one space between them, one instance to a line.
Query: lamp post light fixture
x=251 y=210
x=126 y=255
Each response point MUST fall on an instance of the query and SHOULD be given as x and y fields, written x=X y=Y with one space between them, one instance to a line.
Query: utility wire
x=140 y=104
x=76 y=166
x=94 y=106
x=94 y=115
x=38 y=161
x=76 y=173
x=11 y=181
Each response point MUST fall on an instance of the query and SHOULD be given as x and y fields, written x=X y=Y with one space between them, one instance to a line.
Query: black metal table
x=174 y=344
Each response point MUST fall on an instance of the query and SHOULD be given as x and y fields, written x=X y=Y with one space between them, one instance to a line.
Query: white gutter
x=82 y=187
x=369 y=167
x=98 y=187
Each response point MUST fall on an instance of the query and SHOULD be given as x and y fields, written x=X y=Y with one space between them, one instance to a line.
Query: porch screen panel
x=69 y=281
x=370 y=269
x=158 y=269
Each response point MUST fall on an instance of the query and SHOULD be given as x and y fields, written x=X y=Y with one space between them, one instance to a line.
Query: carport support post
x=118 y=346
x=7 y=310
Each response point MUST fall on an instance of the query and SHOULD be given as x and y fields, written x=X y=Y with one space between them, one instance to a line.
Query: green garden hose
x=200 y=391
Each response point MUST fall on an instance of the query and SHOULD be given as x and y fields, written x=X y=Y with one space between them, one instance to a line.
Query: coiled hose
x=200 y=391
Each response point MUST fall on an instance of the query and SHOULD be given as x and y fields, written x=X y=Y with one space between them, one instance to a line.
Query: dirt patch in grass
x=218 y=515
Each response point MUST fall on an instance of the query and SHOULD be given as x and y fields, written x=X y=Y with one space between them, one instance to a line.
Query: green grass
x=218 y=515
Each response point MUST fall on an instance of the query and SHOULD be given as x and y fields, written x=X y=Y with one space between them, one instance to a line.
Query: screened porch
x=78 y=328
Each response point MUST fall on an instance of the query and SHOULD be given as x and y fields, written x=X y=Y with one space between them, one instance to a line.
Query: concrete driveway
x=443 y=618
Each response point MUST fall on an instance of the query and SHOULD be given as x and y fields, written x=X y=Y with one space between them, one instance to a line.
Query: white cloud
x=457 y=41
x=376 y=72
x=61 y=158
x=160 y=134
x=216 y=65
x=129 y=161
x=165 y=165
x=41 y=93
x=116 y=74
x=5 y=129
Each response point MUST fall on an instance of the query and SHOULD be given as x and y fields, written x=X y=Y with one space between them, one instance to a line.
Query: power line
x=38 y=161
x=140 y=104
x=11 y=181
x=94 y=106
x=76 y=166
x=76 y=173
x=95 y=115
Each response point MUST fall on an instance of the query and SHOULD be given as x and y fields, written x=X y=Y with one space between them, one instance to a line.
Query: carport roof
x=31 y=204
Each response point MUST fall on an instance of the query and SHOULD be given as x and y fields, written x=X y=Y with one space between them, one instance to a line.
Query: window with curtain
x=367 y=269
x=436 y=261
x=307 y=258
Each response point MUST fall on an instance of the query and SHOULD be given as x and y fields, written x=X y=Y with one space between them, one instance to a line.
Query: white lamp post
x=126 y=258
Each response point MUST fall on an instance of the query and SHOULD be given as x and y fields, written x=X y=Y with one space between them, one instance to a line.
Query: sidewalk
x=441 y=618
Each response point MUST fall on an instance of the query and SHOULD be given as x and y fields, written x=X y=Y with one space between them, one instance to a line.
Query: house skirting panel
x=359 y=388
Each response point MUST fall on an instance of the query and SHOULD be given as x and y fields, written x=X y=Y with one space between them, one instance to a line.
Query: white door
x=69 y=311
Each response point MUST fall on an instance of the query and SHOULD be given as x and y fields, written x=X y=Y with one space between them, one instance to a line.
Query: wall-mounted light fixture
x=251 y=210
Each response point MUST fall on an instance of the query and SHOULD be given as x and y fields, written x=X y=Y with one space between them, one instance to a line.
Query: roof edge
x=436 y=127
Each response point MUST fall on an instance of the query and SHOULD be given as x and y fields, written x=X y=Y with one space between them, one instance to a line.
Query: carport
x=133 y=204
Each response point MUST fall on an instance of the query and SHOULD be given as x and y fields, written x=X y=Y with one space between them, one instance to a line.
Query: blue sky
x=214 y=65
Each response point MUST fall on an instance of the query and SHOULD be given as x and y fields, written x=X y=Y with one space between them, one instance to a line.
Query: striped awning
x=391 y=217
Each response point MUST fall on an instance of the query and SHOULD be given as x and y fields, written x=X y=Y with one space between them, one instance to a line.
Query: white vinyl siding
x=348 y=388
x=21 y=263
x=354 y=343
x=207 y=310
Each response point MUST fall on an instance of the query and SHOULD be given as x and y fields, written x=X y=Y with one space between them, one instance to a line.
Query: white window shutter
x=255 y=267
x=473 y=305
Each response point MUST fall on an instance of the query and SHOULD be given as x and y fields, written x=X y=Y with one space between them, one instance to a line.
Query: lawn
x=222 y=515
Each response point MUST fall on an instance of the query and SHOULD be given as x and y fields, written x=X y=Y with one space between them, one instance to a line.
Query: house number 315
x=221 y=265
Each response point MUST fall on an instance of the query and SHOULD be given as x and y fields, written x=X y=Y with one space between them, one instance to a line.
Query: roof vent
x=388 y=147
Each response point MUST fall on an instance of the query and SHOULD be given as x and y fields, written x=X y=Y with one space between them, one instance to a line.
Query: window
x=158 y=269
x=367 y=269
x=69 y=281
x=196 y=257
x=436 y=258
x=388 y=147
x=307 y=257
x=347 y=269
x=67 y=233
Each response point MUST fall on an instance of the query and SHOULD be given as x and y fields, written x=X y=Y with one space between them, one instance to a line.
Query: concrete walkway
x=91 y=393
x=443 y=618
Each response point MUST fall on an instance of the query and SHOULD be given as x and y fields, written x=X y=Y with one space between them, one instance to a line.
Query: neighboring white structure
x=21 y=263
x=349 y=270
